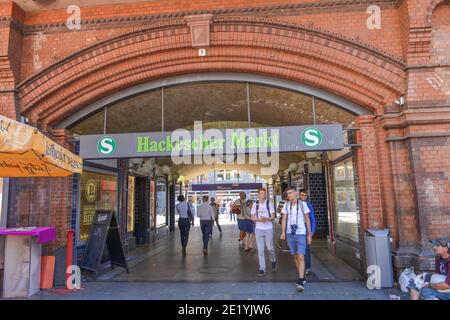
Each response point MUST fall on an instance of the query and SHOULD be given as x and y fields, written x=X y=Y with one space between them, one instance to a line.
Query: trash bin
x=379 y=253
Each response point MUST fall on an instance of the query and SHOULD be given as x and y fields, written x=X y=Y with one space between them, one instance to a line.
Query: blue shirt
x=312 y=219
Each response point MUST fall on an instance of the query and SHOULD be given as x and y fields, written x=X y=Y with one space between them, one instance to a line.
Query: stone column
x=10 y=58
x=172 y=207
x=367 y=166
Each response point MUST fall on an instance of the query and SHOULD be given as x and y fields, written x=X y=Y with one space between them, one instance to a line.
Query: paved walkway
x=160 y=272
x=225 y=262
x=354 y=290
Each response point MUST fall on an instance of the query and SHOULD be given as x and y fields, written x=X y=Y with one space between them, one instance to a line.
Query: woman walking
x=249 y=226
x=185 y=220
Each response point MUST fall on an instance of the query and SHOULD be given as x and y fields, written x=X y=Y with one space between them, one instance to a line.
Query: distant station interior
x=144 y=194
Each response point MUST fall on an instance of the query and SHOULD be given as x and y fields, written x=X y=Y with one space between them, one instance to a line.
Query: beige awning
x=26 y=152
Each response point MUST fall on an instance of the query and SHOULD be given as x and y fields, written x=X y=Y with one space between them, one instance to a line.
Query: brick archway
x=433 y=5
x=345 y=67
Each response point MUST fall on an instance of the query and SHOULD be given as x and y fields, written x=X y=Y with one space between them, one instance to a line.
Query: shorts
x=296 y=243
x=249 y=226
x=241 y=224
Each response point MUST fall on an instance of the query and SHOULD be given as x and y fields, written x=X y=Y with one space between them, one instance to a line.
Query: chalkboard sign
x=104 y=231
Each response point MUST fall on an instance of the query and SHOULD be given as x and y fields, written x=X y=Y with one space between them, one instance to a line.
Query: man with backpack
x=312 y=220
x=263 y=214
x=296 y=229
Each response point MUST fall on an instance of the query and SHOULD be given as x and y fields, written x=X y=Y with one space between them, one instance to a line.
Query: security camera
x=400 y=101
x=24 y=119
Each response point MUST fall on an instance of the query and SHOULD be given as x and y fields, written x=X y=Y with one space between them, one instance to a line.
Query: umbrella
x=26 y=152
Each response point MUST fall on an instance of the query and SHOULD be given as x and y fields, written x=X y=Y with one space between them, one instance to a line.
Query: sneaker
x=300 y=285
x=274 y=266
x=241 y=243
x=205 y=252
x=261 y=273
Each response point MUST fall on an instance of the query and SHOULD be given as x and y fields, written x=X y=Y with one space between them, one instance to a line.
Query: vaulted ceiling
x=216 y=104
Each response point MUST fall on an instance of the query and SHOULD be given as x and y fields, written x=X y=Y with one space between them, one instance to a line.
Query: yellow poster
x=130 y=219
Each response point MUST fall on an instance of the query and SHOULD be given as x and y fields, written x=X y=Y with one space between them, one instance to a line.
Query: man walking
x=206 y=215
x=215 y=208
x=312 y=220
x=263 y=215
x=230 y=210
x=185 y=220
x=296 y=229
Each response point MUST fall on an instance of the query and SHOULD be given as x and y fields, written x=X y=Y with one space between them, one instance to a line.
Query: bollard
x=69 y=255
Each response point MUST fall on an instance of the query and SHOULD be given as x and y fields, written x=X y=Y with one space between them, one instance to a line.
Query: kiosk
x=22 y=270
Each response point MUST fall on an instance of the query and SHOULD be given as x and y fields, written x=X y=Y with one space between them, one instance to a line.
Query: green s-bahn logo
x=312 y=137
x=106 y=146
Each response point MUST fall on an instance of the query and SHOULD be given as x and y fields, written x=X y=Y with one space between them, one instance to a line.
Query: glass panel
x=278 y=107
x=130 y=217
x=216 y=104
x=91 y=125
x=161 y=204
x=206 y=102
x=346 y=215
x=137 y=114
x=329 y=114
x=98 y=192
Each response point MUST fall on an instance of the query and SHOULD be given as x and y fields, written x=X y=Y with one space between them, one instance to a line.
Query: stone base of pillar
x=418 y=261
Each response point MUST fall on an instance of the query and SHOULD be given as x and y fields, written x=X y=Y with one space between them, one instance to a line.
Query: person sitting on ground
x=440 y=289
x=434 y=286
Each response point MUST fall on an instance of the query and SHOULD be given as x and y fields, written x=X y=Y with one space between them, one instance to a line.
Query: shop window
x=161 y=204
x=98 y=192
x=152 y=208
x=346 y=214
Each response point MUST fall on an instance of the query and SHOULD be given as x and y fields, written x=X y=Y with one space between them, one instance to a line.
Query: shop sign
x=223 y=141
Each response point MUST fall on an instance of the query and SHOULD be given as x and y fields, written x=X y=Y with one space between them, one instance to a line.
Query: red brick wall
x=41 y=202
x=50 y=46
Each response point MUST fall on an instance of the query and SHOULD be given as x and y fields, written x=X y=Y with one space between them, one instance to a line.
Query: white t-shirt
x=205 y=212
x=293 y=218
x=262 y=212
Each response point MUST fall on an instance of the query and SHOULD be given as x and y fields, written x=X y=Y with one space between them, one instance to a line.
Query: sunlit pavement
x=228 y=272
x=354 y=290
